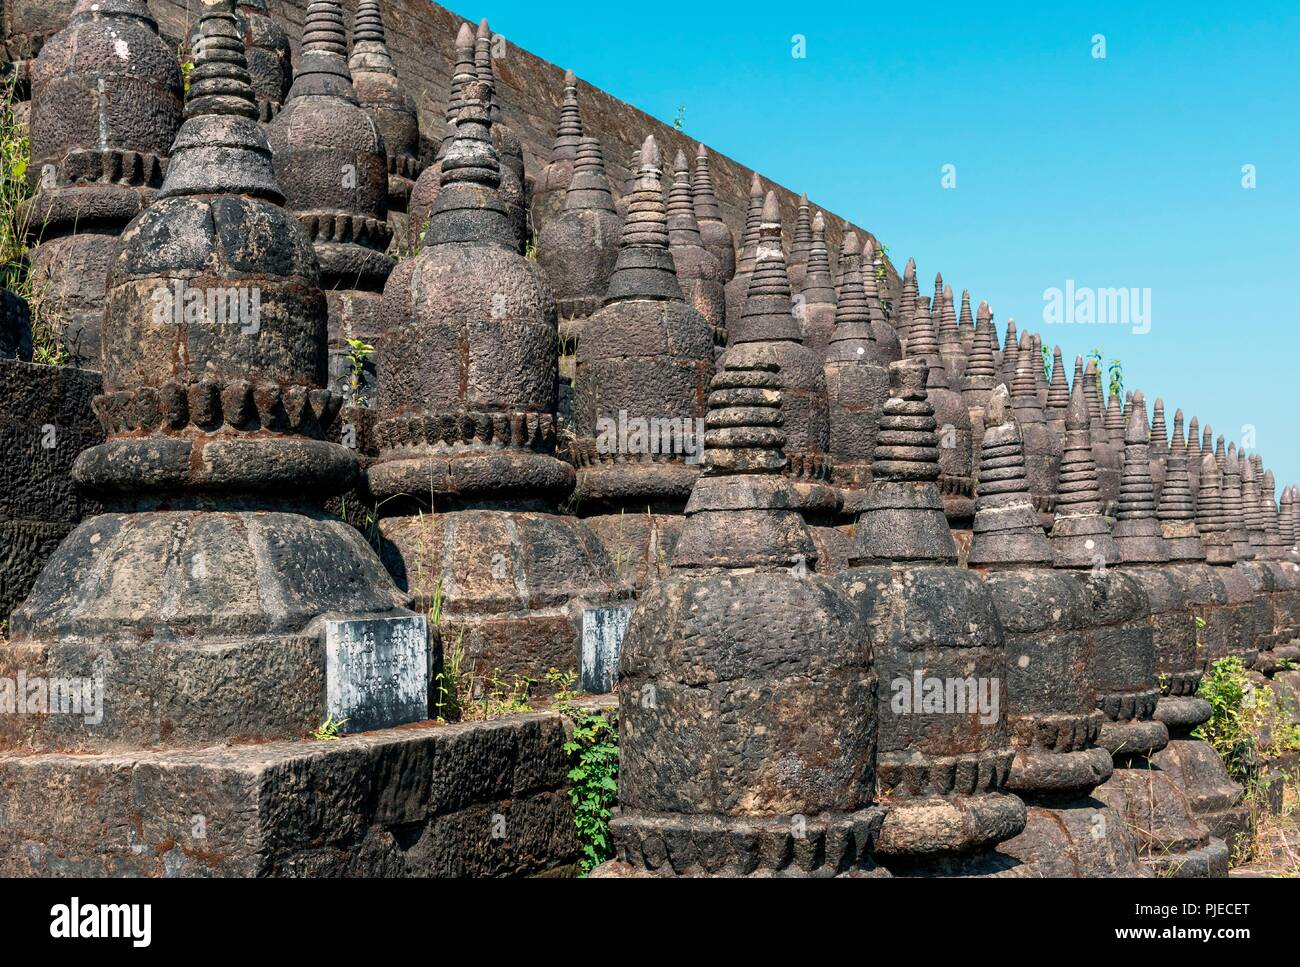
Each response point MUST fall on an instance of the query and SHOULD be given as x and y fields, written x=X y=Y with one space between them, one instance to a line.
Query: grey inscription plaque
x=602 y=638
x=377 y=672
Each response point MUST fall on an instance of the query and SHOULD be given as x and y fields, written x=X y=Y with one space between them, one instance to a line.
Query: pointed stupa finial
x=1137 y=529
x=220 y=149
x=219 y=81
x=645 y=268
x=706 y=198
x=1211 y=522
x=741 y=510
x=768 y=309
x=852 y=314
x=982 y=362
x=1177 y=513
x=1081 y=536
x=1007 y=531
x=903 y=519
x=818 y=286
x=569 y=130
x=323 y=65
x=463 y=72
x=753 y=226
x=1058 y=391
x=369 y=42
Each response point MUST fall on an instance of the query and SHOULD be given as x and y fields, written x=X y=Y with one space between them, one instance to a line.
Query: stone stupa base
x=1171 y=840
x=341 y=808
x=513 y=585
x=678 y=844
x=1075 y=838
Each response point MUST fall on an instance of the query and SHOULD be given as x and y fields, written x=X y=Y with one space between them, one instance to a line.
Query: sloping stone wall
x=421 y=36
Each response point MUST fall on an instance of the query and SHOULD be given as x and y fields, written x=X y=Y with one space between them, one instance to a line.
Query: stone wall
x=45 y=422
x=478 y=799
x=421 y=36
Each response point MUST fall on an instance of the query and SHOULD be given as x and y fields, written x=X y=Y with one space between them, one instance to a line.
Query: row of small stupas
x=799 y=582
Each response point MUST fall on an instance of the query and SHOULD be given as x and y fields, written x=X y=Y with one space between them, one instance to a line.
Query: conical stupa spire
x=982 y=362
x=857 y=385
x=1058 y=392
x=1137 y=529
x=753 y=227
x=568 y=132
x=1233 y=498
x=1007 y=531
x=1210 y=520
x=589 y=188
x=1252 y=503
x=1080 y=536
x=220 y=148
x=469 y=207
x=1177 y=509
x=323 y=66
x=706 y=199
x=682 y=223
x=645 y=267
x=740 y=513
x=715 y=232
x=801 y=245
x=1010 y=354
x=903 y=519
x=369 y=41
x=923 y=343
x=852 y=310
x=850 y=257
x=768 y=310
x=887 y=348
x=966 y=322
x=462 y=73
x=818 y=287
x=907 y=301
x=1275 y=546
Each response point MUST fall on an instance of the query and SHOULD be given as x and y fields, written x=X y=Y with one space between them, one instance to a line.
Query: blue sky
x=1122 y=172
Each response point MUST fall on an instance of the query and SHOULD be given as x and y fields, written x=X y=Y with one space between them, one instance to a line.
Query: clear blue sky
x=1116 y=172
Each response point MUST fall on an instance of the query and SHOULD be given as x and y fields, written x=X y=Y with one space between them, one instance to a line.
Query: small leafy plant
x=358 y=352
x=329 y=729
x=593 y=751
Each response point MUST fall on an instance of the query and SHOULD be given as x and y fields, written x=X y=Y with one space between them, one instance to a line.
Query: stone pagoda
x=467 y=474
x=1051 y=632
x=213 y=566
x=331 y=161
x=551 y=188
x=712 y=781
x=942 y=767
x=857 y=386
x=102 y=127
x=698 y=271
x=641 y=385
x=382 y=96
x=717 y=236
x=768 y=326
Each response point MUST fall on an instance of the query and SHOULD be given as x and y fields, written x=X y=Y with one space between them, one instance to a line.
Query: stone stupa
x=467 y=474
x=717 y=236
x=857 y=386
x=381 y=94
x=332 y=163
x=102 y=126
x=550 y=189
x=213 y=563
x=767 y=326
x=641 y=384
x=942 y=777
x=698 y=271
x=712 y=782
